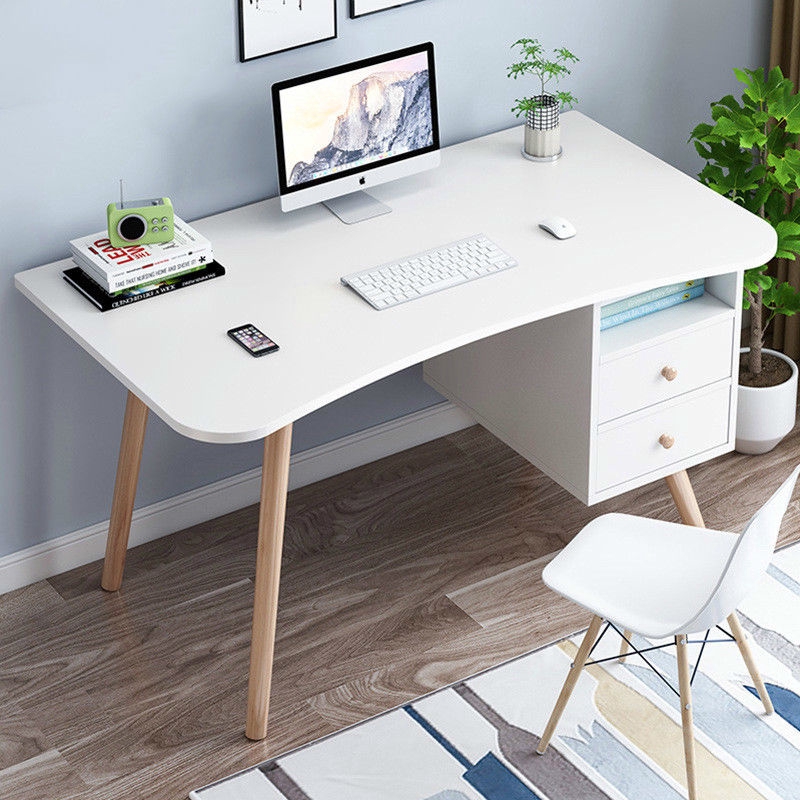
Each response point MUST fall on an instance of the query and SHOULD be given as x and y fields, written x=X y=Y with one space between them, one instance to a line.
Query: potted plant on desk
x=542 y=111
x=750 y=158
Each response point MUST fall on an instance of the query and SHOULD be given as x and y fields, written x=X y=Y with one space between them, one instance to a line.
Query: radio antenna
x=121 y=201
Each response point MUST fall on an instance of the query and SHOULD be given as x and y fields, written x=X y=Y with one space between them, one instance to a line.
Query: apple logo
x=362 y=180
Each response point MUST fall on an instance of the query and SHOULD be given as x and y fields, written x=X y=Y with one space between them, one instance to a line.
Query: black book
x=93 y=291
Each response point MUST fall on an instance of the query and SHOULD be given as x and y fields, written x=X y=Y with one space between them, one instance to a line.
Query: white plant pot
x=542 y=143
x=543 y=129
x=766 y=414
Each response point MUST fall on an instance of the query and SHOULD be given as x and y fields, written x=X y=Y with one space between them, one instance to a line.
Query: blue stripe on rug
x=744 y=735
x=786 y=702
x=419 y=719
x=493 y=779
x=623 y=769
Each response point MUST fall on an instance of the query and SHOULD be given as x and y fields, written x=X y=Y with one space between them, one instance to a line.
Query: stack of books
x=640 y=305
x=116 y=276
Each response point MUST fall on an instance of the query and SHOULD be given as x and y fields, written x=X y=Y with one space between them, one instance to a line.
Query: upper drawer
x=681 y=364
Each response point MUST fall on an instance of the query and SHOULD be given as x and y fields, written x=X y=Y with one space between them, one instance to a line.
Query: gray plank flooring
x=398 y=578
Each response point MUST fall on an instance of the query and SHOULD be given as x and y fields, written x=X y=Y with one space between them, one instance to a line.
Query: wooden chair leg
x=624 y=646
x=684 y=680
x=569 y=684
x=119 y=526
x=272 y=515
x=747 y=654
x=683 y=495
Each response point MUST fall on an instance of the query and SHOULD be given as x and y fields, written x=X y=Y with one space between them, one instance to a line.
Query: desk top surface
x=640 y=222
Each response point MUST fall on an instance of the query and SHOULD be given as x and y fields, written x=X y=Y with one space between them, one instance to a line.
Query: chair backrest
x=749 y=559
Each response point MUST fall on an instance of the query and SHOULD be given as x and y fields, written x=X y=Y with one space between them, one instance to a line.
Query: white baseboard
x=176 y=513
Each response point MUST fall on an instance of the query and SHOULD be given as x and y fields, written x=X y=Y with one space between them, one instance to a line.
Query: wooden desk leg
x=119 y=526
x=680 y=488
x=272 y=514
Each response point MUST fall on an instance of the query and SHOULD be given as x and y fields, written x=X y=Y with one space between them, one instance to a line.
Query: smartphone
x=253 y=340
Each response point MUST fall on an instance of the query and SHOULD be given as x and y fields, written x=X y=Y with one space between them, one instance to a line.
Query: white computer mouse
x=560 y=228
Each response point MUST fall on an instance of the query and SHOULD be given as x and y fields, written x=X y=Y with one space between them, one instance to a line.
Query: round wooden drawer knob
x=666 y=441
x=670 y=373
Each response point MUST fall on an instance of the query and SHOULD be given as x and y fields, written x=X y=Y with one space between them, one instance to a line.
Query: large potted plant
x=750 y=158
x=542 y=111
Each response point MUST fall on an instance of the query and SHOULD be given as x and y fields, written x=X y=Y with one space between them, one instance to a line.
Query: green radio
x=140 y=222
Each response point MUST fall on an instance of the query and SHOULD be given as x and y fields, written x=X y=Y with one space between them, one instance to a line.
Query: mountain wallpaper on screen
x=386 y=111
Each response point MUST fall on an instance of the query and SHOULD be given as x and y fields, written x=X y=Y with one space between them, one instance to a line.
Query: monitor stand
x=356 y=207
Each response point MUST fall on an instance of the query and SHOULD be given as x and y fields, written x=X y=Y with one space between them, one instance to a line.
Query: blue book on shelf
x=618 y=306
x=654 y=305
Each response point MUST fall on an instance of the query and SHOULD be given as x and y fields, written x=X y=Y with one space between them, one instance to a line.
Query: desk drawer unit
x=665 y=370
x=602 y=412
x=665 y=434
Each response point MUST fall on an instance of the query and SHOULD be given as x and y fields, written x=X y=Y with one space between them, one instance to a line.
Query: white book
x=118 y=283
x=114 y=262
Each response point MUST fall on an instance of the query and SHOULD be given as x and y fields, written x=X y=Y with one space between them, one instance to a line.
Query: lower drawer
x=628 y=449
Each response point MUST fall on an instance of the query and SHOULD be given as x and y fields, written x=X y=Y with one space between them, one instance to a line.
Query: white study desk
x=641 y=224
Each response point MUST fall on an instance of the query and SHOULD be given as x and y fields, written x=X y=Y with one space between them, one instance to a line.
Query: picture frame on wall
x=267 y=27
x=361 y=8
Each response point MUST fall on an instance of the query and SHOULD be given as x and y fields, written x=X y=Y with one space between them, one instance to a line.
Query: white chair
x=661 y=579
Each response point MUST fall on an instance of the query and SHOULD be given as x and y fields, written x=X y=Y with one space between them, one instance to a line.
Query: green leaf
x=741 y=127
x=786 y=107
x=725 y=128
x=754 y=79
x=788 y=239
x=729 y=101
x=736 y=183
x=785 y=300
x=754 y=279
x=775 y=204
x=786 y=169
x=793 y=214
x=787 y=228
x=756 y=200
x=743 y=76
x=700 y=131
x=702 y=150
x=774 y=79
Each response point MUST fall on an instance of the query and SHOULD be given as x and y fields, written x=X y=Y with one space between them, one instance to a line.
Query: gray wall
x=92 y=91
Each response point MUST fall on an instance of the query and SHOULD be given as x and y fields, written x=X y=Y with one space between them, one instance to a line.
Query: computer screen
x=339 y=130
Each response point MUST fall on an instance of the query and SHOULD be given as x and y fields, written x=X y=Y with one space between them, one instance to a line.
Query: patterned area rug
x=619 y=737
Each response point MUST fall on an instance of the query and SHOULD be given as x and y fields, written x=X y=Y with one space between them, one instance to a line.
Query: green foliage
x=750 y=158
x=535 y=62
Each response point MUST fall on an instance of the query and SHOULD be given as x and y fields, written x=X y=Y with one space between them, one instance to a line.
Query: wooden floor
x=398 y=578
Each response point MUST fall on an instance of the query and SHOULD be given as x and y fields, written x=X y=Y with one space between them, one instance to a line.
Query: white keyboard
x=424 y=273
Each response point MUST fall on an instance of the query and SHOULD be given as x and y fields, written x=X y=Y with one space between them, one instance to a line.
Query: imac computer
x=357 y=125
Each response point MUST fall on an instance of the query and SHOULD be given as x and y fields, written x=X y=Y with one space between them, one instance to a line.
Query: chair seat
x=649 y=576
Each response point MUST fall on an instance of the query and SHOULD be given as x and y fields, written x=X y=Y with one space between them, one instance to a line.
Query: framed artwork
x=360 y=8
x=273 y=26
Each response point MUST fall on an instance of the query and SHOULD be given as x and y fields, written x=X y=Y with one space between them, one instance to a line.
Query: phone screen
x=256 y=342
